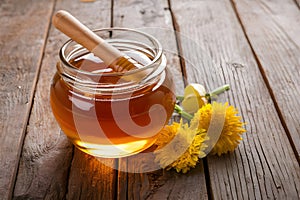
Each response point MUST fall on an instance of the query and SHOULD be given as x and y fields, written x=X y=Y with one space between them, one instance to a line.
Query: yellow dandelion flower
x=180 y=147
x=194 y=97
x=231 y=131
x=166 y=135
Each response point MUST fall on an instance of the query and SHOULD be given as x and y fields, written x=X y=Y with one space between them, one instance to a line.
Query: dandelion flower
x=179 y=147
x=166 y=134
x=232 y=128
x=194 y=98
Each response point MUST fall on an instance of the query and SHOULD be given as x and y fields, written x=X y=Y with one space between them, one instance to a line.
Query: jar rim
x=158 y=54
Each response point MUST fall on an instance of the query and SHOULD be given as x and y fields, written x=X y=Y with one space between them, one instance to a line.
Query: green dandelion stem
x=220 y=90
x=214 y=94
x=184 y=114
x=180 y=98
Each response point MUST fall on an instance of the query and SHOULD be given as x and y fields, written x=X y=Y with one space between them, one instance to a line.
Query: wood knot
x=142 y=11
x=236 y=65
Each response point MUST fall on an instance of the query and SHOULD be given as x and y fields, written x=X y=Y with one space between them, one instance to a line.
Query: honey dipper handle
x=78 y=32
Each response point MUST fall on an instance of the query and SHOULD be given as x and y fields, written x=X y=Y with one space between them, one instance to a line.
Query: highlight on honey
x=107 y=113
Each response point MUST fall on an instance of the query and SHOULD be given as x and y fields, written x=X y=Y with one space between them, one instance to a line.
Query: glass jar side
x=113 y=124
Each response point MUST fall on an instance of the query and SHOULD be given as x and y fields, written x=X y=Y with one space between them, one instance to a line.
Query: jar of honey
x=113 y=114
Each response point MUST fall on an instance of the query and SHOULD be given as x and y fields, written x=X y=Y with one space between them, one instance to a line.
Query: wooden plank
x=155 y=18
x=276 y=25
x=152 y=17
x=298 y=3
x=91 y=178
x=45 y=169
x=264 y=166
x=23 y=30
x=161 y=184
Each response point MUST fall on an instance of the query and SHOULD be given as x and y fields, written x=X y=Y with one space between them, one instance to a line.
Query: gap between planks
x=267 y=83
x=32 y=95
x=176 y=29
x=297 y=2
x=142 y=181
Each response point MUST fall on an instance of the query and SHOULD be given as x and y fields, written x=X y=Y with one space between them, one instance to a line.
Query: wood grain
x=155 y=18
x=162 y=184
x=20 y=55
x=152 y=17
x=264 y=81
x=297 y=3
x=276 y=25
x=45 y=169
x=92 y=178
x=264 y=166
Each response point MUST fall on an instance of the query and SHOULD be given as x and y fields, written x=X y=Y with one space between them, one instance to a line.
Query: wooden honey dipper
x=78 y=32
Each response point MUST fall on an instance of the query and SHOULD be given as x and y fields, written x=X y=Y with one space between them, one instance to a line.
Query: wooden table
x=252 y=45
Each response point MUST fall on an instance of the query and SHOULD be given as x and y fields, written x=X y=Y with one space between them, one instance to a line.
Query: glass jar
x=107 y=113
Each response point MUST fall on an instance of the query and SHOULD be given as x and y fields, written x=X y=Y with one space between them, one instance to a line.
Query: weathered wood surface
x=45 y=168
x=264 y=166
x=298 y=3
x=253 y=46
x=92 y=178
x=152 y=17
x=24 y=26
x=273 y=29
x=155 y=18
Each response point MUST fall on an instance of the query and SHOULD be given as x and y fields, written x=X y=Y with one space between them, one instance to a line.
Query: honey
x=105 y=115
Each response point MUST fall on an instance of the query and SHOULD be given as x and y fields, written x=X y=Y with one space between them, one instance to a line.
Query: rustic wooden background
x=252 y=45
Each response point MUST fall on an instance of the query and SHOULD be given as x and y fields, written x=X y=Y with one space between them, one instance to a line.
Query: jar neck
x=147 y=51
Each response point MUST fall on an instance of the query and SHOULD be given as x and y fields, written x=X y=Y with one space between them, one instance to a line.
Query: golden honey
x=105 y=114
